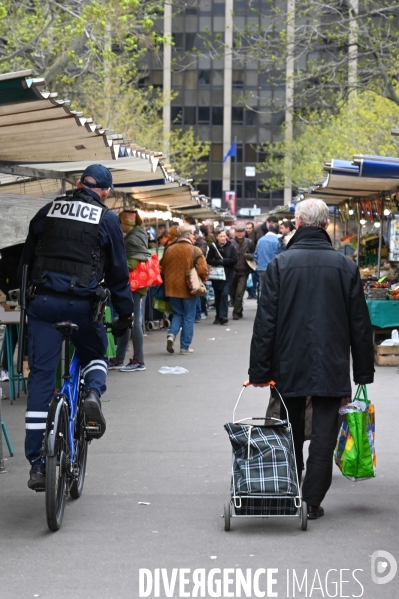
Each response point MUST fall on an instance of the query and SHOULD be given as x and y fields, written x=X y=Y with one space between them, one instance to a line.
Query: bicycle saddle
x=66 y=327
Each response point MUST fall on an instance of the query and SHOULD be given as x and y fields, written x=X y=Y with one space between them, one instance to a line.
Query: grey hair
x=313 y=212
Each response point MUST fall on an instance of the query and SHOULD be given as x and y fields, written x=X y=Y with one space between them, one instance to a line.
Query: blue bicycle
x=66 y=438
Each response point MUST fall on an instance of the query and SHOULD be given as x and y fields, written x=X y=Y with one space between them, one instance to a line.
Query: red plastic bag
x=145 y=274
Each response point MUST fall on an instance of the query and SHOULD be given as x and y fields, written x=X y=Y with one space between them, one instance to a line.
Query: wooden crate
x=386 y=355
x=386 y=360
x=383 y=350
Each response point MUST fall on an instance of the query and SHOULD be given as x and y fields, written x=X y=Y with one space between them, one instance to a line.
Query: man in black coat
x=311 y=316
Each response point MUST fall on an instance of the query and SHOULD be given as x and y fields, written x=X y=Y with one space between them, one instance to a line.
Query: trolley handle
x=271 y=384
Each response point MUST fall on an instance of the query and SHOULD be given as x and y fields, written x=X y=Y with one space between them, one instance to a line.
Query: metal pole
x=359 y=228
x=335 y=224
x=380 y=239
x=235 y=172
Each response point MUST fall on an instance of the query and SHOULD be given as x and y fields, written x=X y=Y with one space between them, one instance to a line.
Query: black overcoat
x=311 y=315
x=229 y=260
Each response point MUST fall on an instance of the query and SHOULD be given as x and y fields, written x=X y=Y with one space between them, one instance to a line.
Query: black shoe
x=37 y=480
x=236 y=317
x=216 y=321
x=223 y=320
x=95 y=421
x=315 y=512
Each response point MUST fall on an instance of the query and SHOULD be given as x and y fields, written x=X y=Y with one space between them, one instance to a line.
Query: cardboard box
x=389 y=360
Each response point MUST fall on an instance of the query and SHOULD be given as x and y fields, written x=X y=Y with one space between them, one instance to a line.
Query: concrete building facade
x=220 y=97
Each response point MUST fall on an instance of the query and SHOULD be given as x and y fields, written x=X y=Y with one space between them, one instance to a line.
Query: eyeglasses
x=92 y=185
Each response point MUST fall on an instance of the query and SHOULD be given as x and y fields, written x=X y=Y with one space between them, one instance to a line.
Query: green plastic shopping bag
x=355 y=448
x=111 y=347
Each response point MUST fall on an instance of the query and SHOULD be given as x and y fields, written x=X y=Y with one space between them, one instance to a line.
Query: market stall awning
x=45 y=146
x=41 y=139
x=345 y=180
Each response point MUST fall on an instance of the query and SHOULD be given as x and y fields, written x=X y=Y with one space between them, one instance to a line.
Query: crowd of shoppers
x=241 y=251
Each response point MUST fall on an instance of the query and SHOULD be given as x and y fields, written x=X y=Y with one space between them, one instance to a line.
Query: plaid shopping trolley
x=264 y=481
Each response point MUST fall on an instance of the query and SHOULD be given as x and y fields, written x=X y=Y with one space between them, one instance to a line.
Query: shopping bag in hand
x=355 y=448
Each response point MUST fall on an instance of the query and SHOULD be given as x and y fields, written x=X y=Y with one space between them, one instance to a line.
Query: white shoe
x=4 y=376
x=169 y=344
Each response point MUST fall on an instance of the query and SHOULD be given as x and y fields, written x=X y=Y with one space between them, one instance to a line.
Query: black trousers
x=319 y=465
x=237 y=292
x=222 y=291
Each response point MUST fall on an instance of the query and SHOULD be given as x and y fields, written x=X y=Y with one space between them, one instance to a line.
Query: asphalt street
x=155 y=488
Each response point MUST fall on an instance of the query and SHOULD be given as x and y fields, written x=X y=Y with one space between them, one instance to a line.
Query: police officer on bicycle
x=73 y=244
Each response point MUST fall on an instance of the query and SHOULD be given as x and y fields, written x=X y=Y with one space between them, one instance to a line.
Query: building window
x=217 y=115
x=190 y=115
x=238 y=79
x=237 y=115
x=178 y=40
x=176 y=115
x=216 y=189
x=144 y=81
x=251 y=118
x=239 y=7
x=204 y=115
x=217 y=79
x=217 y=152
x=219 y=9
x=177 y=79
x=250 y=189
x=239 y=188
x=190 y=42
x=278 y=118
x=204 y=77
x=250 y=153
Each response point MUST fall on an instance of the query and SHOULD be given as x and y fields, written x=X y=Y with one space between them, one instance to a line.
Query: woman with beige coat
x=177 y=260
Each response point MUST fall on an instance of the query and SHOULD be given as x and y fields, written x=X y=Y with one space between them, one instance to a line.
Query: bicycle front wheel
x=56 y=471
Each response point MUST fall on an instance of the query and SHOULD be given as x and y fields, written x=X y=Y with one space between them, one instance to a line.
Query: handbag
x=194 y=284
x=355 y=449
x=252 y=264
x=145 y=274
x=160 y=301
x=216 y=273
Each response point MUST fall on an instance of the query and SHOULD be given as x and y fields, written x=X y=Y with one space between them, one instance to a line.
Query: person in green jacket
x=136 y=246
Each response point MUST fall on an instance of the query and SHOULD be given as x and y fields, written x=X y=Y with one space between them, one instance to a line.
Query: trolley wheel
x=227 y=515
x=166 y=323
x=304 y=515
x=150 y=325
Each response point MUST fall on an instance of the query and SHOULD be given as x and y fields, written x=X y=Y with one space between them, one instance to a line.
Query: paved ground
x=165 y=445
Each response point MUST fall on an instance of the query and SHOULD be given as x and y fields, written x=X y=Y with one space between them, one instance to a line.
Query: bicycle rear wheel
x=81 y=459
x=56 y=472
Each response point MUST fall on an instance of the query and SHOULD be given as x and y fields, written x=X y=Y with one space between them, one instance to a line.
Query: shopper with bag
x=312 y=315
x=137 y=254
x=178 y=260
x=222 y=258
x=245 y=266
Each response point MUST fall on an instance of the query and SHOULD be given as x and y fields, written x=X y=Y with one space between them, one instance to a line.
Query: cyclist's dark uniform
x=81 y=250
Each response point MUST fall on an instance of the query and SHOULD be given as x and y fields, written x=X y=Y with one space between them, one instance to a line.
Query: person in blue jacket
x=73 y=244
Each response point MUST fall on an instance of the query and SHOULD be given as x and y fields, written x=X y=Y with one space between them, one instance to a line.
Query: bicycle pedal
x=93 y=430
